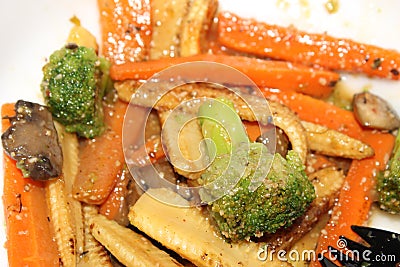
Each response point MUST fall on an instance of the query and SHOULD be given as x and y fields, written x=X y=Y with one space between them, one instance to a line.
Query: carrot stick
x=288 y=43
x=253 y=129
x=125 y=30
x=265 y=73
x=316 y=162
x=355 y=196
x=152 y=149
x=115 y=201
x=317 y=111
x=101 y=159
x=29 y=233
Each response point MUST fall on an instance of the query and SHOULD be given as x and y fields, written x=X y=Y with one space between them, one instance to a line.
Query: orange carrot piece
x=125 y=30
x=115 y=201
x=288 y=43
x=316 y=162
x=101 y=159
x=264 y=73
x=153 y=149
x=355 y=196
x=317 y=111
x=29 y=233
x=253 y=129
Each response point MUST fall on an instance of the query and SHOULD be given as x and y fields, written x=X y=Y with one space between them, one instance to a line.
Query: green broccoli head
x=389 y=192
x=388 y=183
x=282 y=196
x=72 y=90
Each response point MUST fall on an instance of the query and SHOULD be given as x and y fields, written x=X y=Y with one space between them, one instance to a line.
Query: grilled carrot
x=355 y=196
x=115 y=201
x=101 y=159
x=265 y=73
x=29 y=233
x=317 y=162
x=252 y=129
x=125 y=30
x=291 y=44
x=317 y=111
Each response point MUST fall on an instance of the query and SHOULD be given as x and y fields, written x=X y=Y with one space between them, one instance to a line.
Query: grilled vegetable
x=80 y=35
x=333 y=143
x=125 y=30
x=327 y=183
x=244 y=211
x=70 y=145
x=191 y=234
x=220 y=123
x=389 y=182
x=185 y=149
x=32 y=141
x=29 y=234
x=195 y=25
x=375 y=112
x=283 y=196
x=288 y=43
x=281 y=143
x=127 y=246
x=166 y=20
x=72 y=88
x=283 y=117
x=60 y=216
x=95 y=254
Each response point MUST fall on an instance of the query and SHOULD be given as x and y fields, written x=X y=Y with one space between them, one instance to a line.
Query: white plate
x=32 y=30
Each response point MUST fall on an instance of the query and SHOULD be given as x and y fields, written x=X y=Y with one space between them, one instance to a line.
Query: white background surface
x=32 y=30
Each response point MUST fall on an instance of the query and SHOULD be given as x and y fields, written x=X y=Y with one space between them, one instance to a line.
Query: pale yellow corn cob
x=130 y=248
x=189 y=233
x=166 y=23
x=94 y=253
x=333 y=143
x=195 y=25
x=60 y=216
x=70 y=147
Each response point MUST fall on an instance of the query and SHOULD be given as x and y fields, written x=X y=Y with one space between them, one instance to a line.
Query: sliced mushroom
x=290 y=123
x=186 y=151
x=374 y=112
x=275 y=139
x=33 y=142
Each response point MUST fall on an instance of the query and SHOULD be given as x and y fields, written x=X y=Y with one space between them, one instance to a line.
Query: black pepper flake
x=377 y=63
x=332 y=83
x=71 y=46
x=19 y=208
x=395 y=72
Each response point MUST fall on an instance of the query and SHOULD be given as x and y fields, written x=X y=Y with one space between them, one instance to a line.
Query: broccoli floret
x=72 y=88
x=283 y=196
x=388 y=182
x=249 y=191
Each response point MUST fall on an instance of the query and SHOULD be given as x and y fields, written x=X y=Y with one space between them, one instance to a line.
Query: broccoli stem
x=220 y=123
